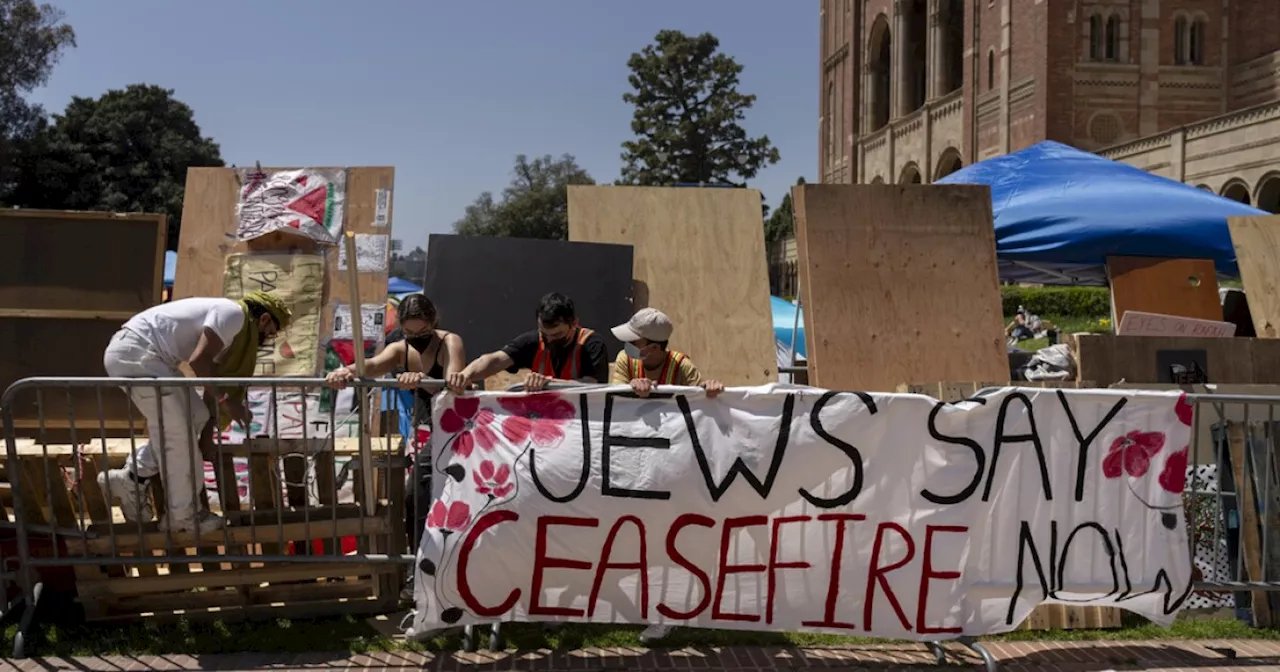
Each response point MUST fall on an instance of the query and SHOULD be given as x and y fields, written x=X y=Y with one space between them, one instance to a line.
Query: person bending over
x=219 y=338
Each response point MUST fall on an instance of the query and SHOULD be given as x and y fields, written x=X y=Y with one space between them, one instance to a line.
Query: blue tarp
x=400 y=286
x=170 y=266
x=1060 y=211
x=784 y=320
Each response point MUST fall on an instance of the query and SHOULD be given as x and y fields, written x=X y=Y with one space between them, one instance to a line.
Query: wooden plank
x=1178 y=287
x=1250 y=532
x=1108 y=359
x=1257 y=244
x=274 y=573
x=899 y=284
x=238 y=534
x=698 y=257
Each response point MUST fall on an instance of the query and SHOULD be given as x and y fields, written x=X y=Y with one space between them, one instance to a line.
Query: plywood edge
x=84 y=215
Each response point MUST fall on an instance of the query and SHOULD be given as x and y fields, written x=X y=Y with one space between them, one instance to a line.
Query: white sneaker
x=206 y=522
x=134 y=503
x=654 y=633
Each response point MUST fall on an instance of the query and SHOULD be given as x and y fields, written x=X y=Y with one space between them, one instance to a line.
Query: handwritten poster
x=372 y=317
x=298 y=279
x=371 y=253
x=797 y=509
x=309 y=202
x=1138 y=323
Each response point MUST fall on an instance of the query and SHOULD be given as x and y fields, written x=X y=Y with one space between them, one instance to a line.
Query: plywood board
x=699 y=258
x=62 y=348
x=899 y=284
x=208 y=236
x=1109 y=359
x=489 y=308
x=1257 y=244
x=1178 y=287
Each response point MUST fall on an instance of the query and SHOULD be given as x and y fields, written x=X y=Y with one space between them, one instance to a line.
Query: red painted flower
x=491 y=481
x=450 y=518
x=1174 y=476
x=421 y=436
x=1184 y=409
x=540 y=417
x=1132 y=454
x=470 y=423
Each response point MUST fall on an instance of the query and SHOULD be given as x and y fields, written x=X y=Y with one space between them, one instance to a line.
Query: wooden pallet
x=1047 y=616
x=60 y=489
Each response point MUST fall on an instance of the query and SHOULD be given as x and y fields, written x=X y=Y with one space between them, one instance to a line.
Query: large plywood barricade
x=785 y=509
x=68 y=282
x=899 y=283
x=699 y=258
x=487 y=289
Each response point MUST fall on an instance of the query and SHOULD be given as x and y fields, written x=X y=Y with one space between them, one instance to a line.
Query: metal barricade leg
x=988 y=660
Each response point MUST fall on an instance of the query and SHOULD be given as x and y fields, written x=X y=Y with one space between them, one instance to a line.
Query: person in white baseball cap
x=648 y=362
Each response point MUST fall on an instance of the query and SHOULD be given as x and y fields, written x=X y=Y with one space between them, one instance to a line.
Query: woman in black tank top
x=417 y=349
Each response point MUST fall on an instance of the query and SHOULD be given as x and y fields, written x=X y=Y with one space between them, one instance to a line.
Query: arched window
x=1095 y=38
x=1196 y=41
x=1113 y=38
x=1180 y=41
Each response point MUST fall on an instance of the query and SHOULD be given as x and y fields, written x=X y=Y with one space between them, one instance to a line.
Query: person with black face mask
x=416 y=349
x=558 y=350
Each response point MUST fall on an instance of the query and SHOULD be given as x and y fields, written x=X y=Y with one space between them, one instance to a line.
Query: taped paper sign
x=372 y=316
x=371 y=253
x=787 y=509
x=382 y=208
x=308 y=202
x=1138 y=323
x=298 y=279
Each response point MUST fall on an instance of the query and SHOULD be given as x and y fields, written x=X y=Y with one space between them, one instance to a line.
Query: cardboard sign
x=787 y=509
x=1136 y=323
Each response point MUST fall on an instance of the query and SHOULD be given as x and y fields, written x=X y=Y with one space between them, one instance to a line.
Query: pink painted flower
x=1174 y=476
x=451 y=518
x=540 y=417
x=470 y=423
x=1184 y=409
x=1132 y=454
x=491 y=481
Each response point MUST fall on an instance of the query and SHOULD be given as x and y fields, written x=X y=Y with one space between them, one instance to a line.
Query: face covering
x=632 y=351
x=419 y=343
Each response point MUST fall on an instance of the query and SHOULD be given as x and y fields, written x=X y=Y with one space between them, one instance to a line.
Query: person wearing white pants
x=217 y=337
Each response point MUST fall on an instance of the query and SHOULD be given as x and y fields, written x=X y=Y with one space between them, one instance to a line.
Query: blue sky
x=447 y=92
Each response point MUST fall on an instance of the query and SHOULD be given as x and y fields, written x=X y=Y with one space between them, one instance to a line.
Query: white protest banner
x=796 y=509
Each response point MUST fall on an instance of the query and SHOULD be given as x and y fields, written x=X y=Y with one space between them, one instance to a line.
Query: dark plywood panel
x=1181 y=287
x=487 y=289
x=699 y=258
x=899 y=284
x=1109 y=359
x=80 y=261
x=61 y=348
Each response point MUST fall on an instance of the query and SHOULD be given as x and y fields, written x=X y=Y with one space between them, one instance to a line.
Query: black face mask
x=420 y=343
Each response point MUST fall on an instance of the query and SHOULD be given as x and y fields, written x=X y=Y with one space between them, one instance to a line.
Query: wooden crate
x=60 y=490
x=68 y=281
x=1048 y=616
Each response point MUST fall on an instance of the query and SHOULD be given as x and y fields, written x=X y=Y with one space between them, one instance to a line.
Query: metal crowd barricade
x=297 y=539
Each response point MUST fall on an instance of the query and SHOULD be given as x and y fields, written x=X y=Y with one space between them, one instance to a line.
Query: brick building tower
x=912 y=90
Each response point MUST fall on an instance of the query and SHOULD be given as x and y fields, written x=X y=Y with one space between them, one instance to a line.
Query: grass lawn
x=359 y=635
x=1066 y=325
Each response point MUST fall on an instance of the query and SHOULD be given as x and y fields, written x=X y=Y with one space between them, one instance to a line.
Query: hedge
x=1094 y=302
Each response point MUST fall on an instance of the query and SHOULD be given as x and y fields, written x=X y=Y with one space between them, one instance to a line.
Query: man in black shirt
x=558 y=350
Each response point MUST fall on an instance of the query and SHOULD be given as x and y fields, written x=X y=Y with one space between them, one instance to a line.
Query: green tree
x=534 y=205
x=688 y=116
x=781 y=223
x=32 y=39
x=127 y=151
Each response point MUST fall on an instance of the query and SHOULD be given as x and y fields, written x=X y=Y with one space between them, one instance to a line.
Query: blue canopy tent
x=784 y=321
x=170 y=267
x=1060 y=211
x=397 y=286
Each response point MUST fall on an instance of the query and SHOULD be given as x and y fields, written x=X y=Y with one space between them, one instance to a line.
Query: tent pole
x=795 y=327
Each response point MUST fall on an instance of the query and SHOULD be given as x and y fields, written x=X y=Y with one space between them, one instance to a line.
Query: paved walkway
x=1251 y=655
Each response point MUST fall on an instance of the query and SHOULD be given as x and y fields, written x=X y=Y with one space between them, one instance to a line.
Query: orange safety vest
x=667 y=376
x=572 y=366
